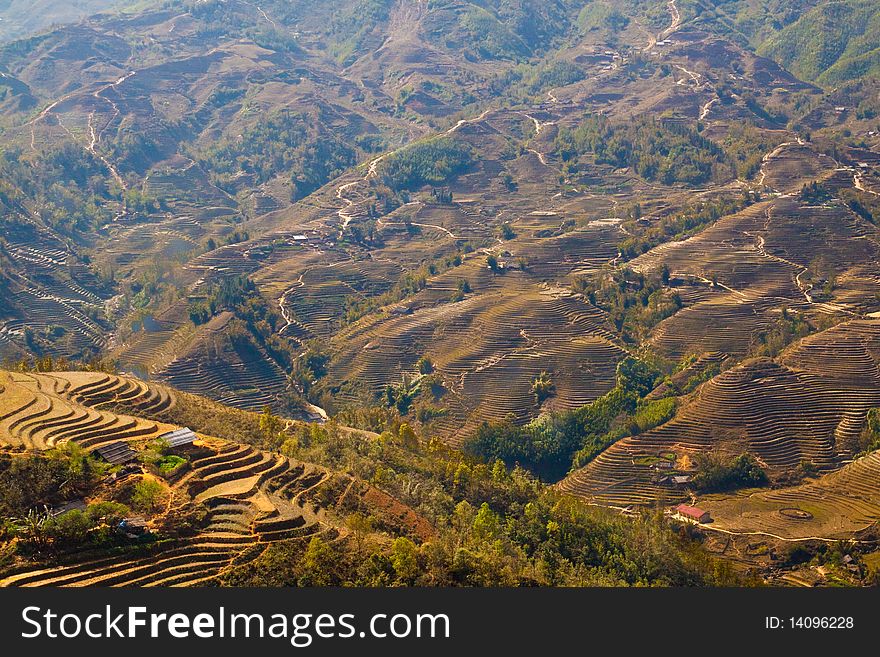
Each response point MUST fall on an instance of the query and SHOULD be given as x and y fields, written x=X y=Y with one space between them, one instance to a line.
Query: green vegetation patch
x=656 y=150
x=552 y=444
x=433 y=161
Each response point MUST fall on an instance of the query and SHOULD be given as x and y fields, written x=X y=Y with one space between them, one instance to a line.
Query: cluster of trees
x=283 y=143
x=772 y=340
x=216 y=18
x=549 y=541
x=484 y=36
x=228 y=294
x=746 y=146
x=635 y=303
x=52 y=477
x=654 y=149
x=66 y=183
x=552 y=444
x=869 y=440
x=31 y=483
x=643 y=236
x=256 y=322
x=543 y=387
x=830 y=43
x=867 y=206
x=433 y=161
x=49 y=363
x=559 y=73
x=402 y=395
x=492 y=526
x=352 y=29
x=410 y=283
x=602 y=16
x=814 y=193
x=717 y=472
x=461 y=291
x=97 y=526
x=310 y=367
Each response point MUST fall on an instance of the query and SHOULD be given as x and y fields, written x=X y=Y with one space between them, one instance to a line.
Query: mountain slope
x=832 y=43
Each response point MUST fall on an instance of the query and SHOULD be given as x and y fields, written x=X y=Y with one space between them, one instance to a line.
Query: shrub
x=147 y=496
x=715 y=473
x=542 y=387
x=424 y=365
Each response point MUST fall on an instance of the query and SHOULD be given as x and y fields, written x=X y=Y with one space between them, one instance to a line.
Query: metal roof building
x=179 y=437
x=117 y=453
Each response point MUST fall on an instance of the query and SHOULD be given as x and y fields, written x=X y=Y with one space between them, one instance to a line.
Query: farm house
x=692 y=513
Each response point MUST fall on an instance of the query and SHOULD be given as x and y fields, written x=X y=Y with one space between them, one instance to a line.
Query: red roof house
x=693 y=513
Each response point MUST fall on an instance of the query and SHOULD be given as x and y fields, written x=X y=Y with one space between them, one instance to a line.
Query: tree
x=271 y=426
x=407 y=436
x=492 y=262
x=486 y=525
x=424 y=365
x=360 y=525
x=35 y=524
x=147 y=496
x=463 y=289
x=405 y=559
x=318 y=564
x=542 y=386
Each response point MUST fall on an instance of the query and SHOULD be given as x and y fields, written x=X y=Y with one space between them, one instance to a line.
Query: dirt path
x=539 y=126
x=373 y=171
x=695 y=77
x=804 y=288
x=381 y=222
x=774 y=153
x=731 y=532
x=859 y=184
x=704 y=110
x=676 y=19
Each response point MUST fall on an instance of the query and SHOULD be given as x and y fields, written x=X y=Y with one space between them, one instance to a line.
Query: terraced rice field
x=838 y=505
x=513 y=338
x=809 y=408
x=253 y=497
x=41 y=411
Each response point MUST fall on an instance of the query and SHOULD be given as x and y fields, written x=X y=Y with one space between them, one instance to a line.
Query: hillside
x=221 y=512
x=833 y=43
x=19 y=18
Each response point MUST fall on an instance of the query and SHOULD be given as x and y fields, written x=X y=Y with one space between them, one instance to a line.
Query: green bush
x=147 y=496
x=716 y=473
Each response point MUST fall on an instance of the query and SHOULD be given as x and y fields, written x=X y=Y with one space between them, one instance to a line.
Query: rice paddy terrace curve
x=252 y=497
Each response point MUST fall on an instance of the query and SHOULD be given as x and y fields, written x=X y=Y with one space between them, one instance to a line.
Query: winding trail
x=262 y=13
x=539 y=126
x=345 y=214
x=676 y=19
x=776 y=151
x=695 y=77
x=805 y=288
x=859 y=184
x=704 y=110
